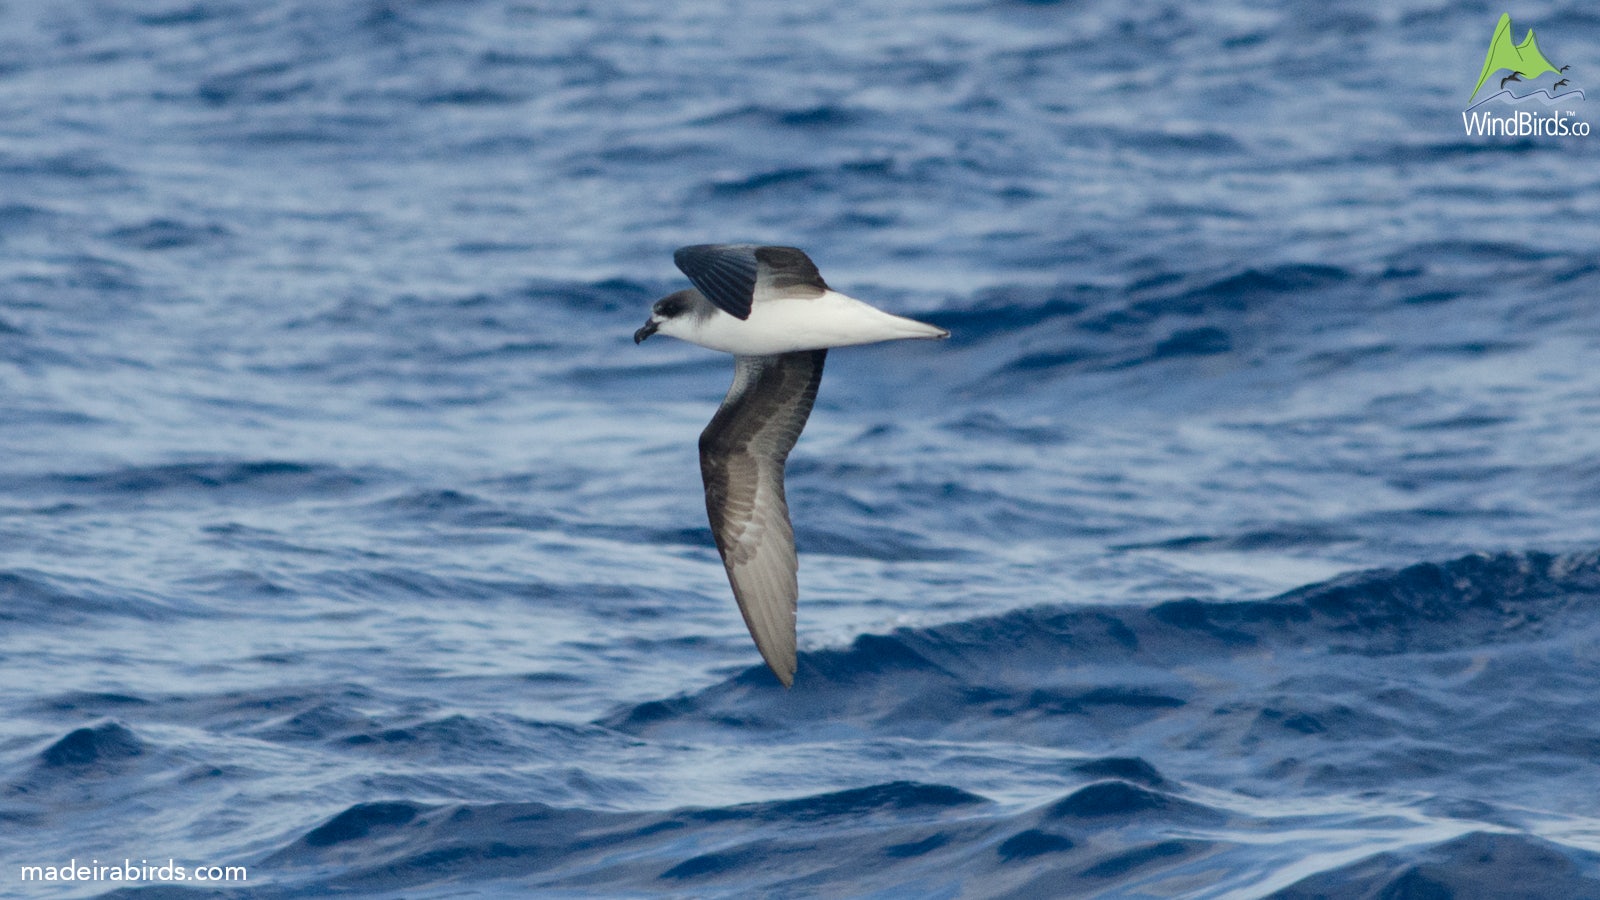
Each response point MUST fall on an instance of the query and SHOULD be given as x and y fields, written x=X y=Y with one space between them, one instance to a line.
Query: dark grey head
x=678 y=306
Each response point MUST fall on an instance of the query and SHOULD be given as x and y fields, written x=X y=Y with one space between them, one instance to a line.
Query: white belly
x=784 y=326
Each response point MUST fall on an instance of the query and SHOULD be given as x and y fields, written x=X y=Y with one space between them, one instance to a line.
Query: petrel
x=769 y=307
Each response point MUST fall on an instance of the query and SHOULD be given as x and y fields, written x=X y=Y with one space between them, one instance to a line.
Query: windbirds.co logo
x=1523 y=68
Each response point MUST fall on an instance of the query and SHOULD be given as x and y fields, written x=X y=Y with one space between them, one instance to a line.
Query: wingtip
x=782 y=669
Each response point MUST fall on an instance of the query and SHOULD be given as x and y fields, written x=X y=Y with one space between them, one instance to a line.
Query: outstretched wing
x=735 y=276
x=742 y=455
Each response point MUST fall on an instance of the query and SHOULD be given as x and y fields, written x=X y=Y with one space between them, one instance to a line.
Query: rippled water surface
x=1240 y=543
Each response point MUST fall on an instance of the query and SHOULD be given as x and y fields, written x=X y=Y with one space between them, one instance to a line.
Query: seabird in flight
x=769 y=307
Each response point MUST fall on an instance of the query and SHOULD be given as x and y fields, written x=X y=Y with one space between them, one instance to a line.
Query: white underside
x=787 y=325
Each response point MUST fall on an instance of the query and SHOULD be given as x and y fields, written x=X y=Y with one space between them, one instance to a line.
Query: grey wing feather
x=731 y=275
x=788 y=271
x=742 y=456
x=724 y=273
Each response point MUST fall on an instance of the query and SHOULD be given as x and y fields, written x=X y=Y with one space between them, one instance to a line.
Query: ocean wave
x=1465 y=637
x=1100 y=678
x=817 y=116
x=167 y=234
x=262 y=480
x=39 y=599
x=825 y=839
x=98 y=746
x=928 y=839
x=1478 y=864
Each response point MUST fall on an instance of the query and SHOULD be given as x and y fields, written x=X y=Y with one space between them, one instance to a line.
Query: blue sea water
x=1242 y=541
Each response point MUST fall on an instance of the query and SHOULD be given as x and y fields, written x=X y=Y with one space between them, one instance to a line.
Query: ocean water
x=1241 y=542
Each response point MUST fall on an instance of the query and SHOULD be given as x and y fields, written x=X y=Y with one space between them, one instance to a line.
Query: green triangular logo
x=1522 y=59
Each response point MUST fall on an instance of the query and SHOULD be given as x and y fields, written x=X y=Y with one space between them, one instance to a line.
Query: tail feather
x=923 y=330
